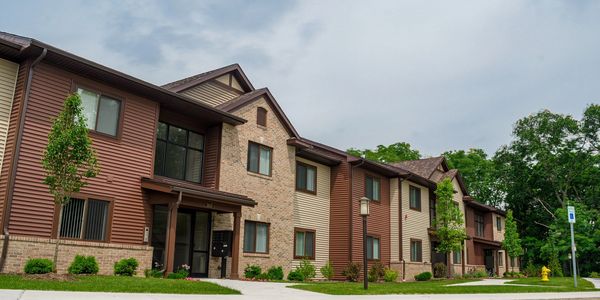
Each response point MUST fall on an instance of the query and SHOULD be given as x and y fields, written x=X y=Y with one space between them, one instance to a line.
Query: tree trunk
x=448 y=266
x=55 y=259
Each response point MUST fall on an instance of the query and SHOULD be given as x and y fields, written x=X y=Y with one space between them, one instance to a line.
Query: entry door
x=192 y=242
x=489 y=261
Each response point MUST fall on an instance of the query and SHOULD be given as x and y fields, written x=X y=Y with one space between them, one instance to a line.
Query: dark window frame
x=260 y=146
x=370 y=246
x=479 y=225
x=85 y=197
x=313 y=254
x=261 y=116
x=419 y=257
x=373 y=179
x=117 y=136
x=246 y=222
x=187 y=148
x=305 y=189
x=420 y=198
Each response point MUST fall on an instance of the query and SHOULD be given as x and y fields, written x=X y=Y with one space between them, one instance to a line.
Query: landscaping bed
x=99 y=283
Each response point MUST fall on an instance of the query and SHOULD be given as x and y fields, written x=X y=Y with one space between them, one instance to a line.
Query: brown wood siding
x=122 y=161
x=378 y=222
x=212 y=159
x=12 y=133
x=339 y=210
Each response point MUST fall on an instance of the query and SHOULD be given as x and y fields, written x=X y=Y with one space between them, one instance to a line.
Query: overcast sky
x=441 y=75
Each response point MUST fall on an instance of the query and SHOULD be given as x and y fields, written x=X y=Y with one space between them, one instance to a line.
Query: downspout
x=15 y=160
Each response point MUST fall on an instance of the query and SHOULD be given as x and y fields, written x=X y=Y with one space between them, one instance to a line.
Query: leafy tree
x=512 y=242
x=388 y=154
x=479 y=174
x=449 y=221
x=69 y=157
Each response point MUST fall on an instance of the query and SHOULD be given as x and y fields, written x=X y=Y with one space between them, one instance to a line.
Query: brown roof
x=185 y=83
x=245 y=99
x=481 y=206
x=422 y=167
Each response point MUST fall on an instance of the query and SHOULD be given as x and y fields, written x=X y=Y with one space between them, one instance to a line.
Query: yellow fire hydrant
x=545 y=272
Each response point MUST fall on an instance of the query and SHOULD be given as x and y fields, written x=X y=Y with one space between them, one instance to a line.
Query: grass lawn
x=114 y=284
x=439 y=287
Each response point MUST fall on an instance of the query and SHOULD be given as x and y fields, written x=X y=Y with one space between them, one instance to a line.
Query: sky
x=440 y=75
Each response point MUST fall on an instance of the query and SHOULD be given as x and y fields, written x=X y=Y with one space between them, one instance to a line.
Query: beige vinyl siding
x=312 y=212
x=234 y=83
x=8 y=80
x=210 y=93
x=394 y=221
x=458 y=197
x=415 y=223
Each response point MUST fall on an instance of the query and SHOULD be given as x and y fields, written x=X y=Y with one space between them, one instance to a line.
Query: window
x=372 y=188
x=304 y=243
x=373 y=249
x=306 y=178
x=101 y=112
x=259 y=159
x=512 y=262
x=415 y=198
x=499 y=223
x=432 y=212
x=500 y=258
x=261 y=116
x=457 y=257
x=256 y=237
x=479 y=226
x=85 y=219
x=179 y=153
x=416 y=250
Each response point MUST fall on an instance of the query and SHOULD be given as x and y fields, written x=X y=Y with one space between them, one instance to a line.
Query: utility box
x=222 y=243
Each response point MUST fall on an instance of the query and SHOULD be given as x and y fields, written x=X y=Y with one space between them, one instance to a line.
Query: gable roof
x=188 y=82
x=422 y=167
x=245 y=99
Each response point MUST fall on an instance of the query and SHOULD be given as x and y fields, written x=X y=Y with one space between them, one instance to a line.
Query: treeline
x=552 y=161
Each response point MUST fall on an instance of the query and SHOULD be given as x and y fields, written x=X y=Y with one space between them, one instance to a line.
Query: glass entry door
x=192 y=241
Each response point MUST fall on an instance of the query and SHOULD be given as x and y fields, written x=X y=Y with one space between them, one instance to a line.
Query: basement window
x=85 y=219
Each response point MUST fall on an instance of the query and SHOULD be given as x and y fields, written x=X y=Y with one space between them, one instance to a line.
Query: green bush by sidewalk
x=38 y=266
x=83 y=265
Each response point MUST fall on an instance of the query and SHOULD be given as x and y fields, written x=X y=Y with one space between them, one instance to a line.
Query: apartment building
x=202 y=162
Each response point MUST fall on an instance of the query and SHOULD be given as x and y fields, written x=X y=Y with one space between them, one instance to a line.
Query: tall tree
x=69 y=158
x=449 y=221
x=479 y=174
x=512 y=241
x=388 y=154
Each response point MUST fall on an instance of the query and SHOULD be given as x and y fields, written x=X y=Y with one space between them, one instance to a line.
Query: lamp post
x=364 y=212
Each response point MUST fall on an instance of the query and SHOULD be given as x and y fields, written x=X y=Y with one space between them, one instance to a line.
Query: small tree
x=449 y=223
x=69 y=157
x=512 y=242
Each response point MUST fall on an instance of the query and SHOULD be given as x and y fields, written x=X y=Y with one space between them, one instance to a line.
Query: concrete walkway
x=594 y=281
x=264 y=291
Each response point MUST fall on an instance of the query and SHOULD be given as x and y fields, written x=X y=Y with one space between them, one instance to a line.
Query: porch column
x=171 y=235
x=235 y=251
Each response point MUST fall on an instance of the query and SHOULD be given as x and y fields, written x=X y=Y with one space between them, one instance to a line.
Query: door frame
x=192 y=213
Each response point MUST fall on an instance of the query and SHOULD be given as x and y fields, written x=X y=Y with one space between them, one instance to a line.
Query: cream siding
x=394 y=221
x=415 y=223
x=498 y=234
x=312 y=212
x=8 y=80
x=210 y=93
x=234 y=83
x=458 y=197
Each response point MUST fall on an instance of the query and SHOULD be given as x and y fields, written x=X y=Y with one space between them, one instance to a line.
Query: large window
x=479 y=225
x=306 y=178
x=85 y=219
x=259 y=158
x=499 y=223
x=256 y=237
x=415 y=198
x=101 y=112
x=373 y=249
x=373 y=188
x=304 y=243
x=179 y=153
x=416 y=250
x=457 y=257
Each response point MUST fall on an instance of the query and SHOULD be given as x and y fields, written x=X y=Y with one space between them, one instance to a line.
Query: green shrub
x=376 y=272
x=177 y=275
x=153 y=273
x=390 y=275
x=327 y=270
x=252 y=271
x=275 y=273
x=126 y=267
x=307 y=269
x=555 y=267
x=83 y=265
x=532 y=270
x=594 y=275
x=425 y=276
x=352 y=271
x=38 y=266
x=295 y=276
x=262 y=276
x=439 y=270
